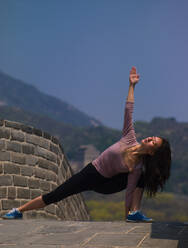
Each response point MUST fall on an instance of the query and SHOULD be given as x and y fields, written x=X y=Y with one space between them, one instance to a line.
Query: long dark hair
x=157 y=168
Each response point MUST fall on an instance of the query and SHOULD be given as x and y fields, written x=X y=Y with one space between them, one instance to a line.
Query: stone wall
x=32 y=162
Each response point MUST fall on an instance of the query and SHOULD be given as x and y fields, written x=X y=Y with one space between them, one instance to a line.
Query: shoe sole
x=139 y=221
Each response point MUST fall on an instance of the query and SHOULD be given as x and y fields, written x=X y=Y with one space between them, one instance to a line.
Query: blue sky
x=81 y=51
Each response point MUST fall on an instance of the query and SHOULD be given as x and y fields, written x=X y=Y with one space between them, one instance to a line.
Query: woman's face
x=151 y=143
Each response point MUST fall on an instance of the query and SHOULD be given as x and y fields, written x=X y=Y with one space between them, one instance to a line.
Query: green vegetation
x=164 y=207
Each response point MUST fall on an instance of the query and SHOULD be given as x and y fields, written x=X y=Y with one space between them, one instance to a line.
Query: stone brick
x=38 y=132
x=33 y=183
x=54 y=148
x=22 y=202
x=13 y=124
x=5 y=180
x=17 y=135
x=50 y=176
x=2 y=123
x=3 y=192
x=9 y=204
x=46 y=135
x=27 y=129
x=51 y=209
x=4 y=156
x=10 y=168
x=20 y=181
x=31 y=160
x=39 y=151
x=53 y=186
x=11 y=192
x=44 y=143
x=33 y=139
x=45 y=185
x=13 y=146
x=2 y=145
x=18 y=158
x=55 y=140
x=23 y=193
x=1 y=168
x=5 y=133
x=34 y=193
x=28 y=149
x=40 y=173
x=43 y=163
x=26 y=171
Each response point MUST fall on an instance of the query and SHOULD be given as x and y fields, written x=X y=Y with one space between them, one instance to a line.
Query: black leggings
x=89 y=179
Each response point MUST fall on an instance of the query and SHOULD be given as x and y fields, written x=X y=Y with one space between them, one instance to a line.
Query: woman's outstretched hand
x=133 y=76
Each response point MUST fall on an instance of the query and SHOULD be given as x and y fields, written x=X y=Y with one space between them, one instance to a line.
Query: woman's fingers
x=133 y=70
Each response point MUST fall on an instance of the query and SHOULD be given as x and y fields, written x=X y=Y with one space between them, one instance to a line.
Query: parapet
x=32 y=162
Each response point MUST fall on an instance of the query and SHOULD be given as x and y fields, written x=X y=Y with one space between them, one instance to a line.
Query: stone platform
x=75 y=234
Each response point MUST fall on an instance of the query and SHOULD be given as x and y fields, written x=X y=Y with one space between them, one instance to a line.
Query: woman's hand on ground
x=133 y=76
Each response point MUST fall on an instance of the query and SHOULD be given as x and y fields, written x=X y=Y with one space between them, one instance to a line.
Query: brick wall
x=32 y=162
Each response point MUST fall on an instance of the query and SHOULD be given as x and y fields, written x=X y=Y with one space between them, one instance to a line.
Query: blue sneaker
x=13 y=214
x=138 y=216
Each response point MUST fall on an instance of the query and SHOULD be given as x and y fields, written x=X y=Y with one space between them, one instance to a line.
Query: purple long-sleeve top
x=111 y=162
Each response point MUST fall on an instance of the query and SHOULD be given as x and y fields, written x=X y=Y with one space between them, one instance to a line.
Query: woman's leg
x=86 y=179
x=33 y=204
x=137 y=198
x=138 y=194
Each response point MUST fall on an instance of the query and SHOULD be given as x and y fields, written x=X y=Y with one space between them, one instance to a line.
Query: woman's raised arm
x=133 y=80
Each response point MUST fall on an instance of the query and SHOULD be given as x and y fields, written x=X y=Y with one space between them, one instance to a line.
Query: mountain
x=19 y=102
x=14 y=92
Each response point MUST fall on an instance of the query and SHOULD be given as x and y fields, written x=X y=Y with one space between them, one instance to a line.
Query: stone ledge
x=75 y=234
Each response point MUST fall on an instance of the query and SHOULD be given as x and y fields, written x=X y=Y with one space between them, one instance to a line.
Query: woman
x=118 y=167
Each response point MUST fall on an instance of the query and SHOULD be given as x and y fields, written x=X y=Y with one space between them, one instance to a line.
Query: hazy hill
x=14 y=92
x=22 y=96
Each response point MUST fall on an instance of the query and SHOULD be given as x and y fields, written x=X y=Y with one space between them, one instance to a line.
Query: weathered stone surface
x=31 y=160
x=29 y=167
x=2 y=145
x=13 y=124
x=40 y=173
x=39 y=151
x=5 y=133
x=26 y=171
x=23 y=193
x=70 y=234
x=3 y=192
x=11 y=192
x=38 y=132
x=1 y=168
x=46 y=164
x=46 y=135
x=34 y=193
x=18 y=158
x=9 y=204
x=33 y=183
x=45 y=185
x=28 y=149
x=5 y=180
x=17 y=135
x=4 y=156
x=27 y=129
x=13 y=146
x=51 y=176
x=20 y=181
x=11 y=168
x=54 y=148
